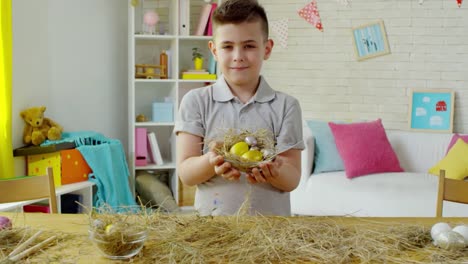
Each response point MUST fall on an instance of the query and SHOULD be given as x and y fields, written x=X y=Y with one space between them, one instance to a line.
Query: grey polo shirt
x=208 y=111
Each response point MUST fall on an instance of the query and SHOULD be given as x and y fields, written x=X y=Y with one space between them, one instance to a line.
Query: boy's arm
x=194 y=167
x=283 y=173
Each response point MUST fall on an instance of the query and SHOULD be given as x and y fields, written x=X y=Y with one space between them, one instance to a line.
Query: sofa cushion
x=364 y=148
x=326 y=156
x=455 y=163
x=454 y=140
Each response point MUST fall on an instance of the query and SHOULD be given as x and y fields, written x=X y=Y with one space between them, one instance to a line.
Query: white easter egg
x=252 y=141
x=462 y=230
x=267 y=152
x=449 y=240
x=438 y=228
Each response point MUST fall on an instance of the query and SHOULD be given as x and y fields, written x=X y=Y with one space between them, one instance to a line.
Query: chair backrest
x=29 y=188
x=450 y=190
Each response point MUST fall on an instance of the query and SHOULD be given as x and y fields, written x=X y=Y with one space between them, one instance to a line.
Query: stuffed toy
x=39 y=128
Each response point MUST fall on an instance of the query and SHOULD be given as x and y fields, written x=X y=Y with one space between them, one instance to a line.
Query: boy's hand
x=266 y=172
x=222 y=168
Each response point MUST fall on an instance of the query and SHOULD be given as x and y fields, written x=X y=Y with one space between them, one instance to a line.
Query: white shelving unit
x=145 y=49
x=84 y=188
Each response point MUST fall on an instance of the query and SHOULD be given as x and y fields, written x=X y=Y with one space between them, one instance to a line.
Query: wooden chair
x=450 y=190
x=29 y=188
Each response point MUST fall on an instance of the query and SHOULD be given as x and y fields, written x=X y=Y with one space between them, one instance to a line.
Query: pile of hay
x=249 y=239
x=10 y=239
x=265 y=140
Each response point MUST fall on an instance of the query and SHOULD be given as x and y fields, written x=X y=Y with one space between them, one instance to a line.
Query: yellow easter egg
x=239 y=148
x=109 y=228
x=253 y=155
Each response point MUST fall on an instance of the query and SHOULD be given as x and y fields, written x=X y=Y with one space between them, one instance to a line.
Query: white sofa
x=412 y=193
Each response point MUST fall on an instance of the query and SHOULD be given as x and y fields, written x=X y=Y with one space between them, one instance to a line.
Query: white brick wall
x=429 y=49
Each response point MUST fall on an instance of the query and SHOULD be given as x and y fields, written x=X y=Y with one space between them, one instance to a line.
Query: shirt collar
x=222 y=93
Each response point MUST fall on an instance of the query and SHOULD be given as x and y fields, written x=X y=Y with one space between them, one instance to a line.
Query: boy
x=240 y=98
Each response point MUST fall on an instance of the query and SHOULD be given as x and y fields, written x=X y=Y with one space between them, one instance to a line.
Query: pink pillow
x=454 y=140
x=364 y=148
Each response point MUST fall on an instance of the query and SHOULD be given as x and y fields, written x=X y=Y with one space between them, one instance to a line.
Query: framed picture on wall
x=370 y=40
x=432 y=110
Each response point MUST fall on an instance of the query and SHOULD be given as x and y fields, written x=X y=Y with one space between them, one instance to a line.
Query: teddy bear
x=39 y=128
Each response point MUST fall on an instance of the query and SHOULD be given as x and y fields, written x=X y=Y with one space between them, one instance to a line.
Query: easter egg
x=252 y=141
x=110 y=228
x=98 y=224
x=253 y=155
x=267 y=152
x=439 y=228
x=462 y=230
x=239 y=148
x=5 y=222
x=449 y=240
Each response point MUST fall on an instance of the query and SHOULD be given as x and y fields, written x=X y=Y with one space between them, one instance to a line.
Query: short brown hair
x=239 y=11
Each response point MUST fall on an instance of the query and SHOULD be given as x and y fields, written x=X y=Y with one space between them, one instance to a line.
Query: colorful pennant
x=280 y=28
x=310 y=14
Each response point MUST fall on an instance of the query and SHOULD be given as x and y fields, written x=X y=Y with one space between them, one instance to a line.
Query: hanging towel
x=106 y=158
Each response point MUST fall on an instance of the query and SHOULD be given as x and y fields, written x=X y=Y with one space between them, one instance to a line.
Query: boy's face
x=240 y=50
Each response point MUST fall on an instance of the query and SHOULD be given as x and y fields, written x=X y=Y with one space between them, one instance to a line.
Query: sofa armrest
x=307 y=154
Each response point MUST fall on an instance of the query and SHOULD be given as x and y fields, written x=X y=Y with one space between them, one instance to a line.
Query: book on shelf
x=203 y=20
x=155 y=151
x=184 y=17
x=209 y=26
x=141 y=150
x=198 y=76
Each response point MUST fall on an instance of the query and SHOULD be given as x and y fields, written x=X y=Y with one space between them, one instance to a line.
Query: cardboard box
x=68 y=166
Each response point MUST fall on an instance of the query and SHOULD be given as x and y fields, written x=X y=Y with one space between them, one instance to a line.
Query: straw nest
x=264 y=141
x=118 y=234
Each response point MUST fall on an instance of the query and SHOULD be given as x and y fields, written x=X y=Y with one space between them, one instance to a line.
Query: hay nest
x=264 y=141
x=118 y=234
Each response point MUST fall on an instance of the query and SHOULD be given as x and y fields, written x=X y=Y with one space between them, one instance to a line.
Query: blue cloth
x=110 y=169
x=326 y=156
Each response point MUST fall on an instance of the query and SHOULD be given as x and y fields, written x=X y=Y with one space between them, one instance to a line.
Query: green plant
x=196 y=54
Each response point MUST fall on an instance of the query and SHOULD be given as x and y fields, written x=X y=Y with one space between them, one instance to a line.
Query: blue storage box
x=163 y=112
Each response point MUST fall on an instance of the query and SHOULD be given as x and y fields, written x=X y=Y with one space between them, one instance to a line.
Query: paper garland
x=280 y=28
x=310 y=14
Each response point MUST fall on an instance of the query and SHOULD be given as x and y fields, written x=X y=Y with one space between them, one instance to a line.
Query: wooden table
x=84 y=252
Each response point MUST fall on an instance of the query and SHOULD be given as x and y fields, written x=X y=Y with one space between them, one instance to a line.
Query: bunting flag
x=459 y=3
x=310 y=14
x=280 y=28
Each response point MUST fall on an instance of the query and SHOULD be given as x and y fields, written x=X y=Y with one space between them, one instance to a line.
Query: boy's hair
x=239 y=11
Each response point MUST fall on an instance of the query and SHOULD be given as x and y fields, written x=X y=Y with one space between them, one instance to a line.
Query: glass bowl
x=118 y=246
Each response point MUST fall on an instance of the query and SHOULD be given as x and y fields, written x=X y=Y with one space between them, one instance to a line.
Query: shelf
x=191 y=81
x=205 y=38
x=155 y=37
x=169 y=165
x=85 y=188
x=153 y=124
x=154 y=80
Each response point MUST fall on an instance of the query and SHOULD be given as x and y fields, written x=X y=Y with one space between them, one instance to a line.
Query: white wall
x=429 y=49
x=71 y=56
